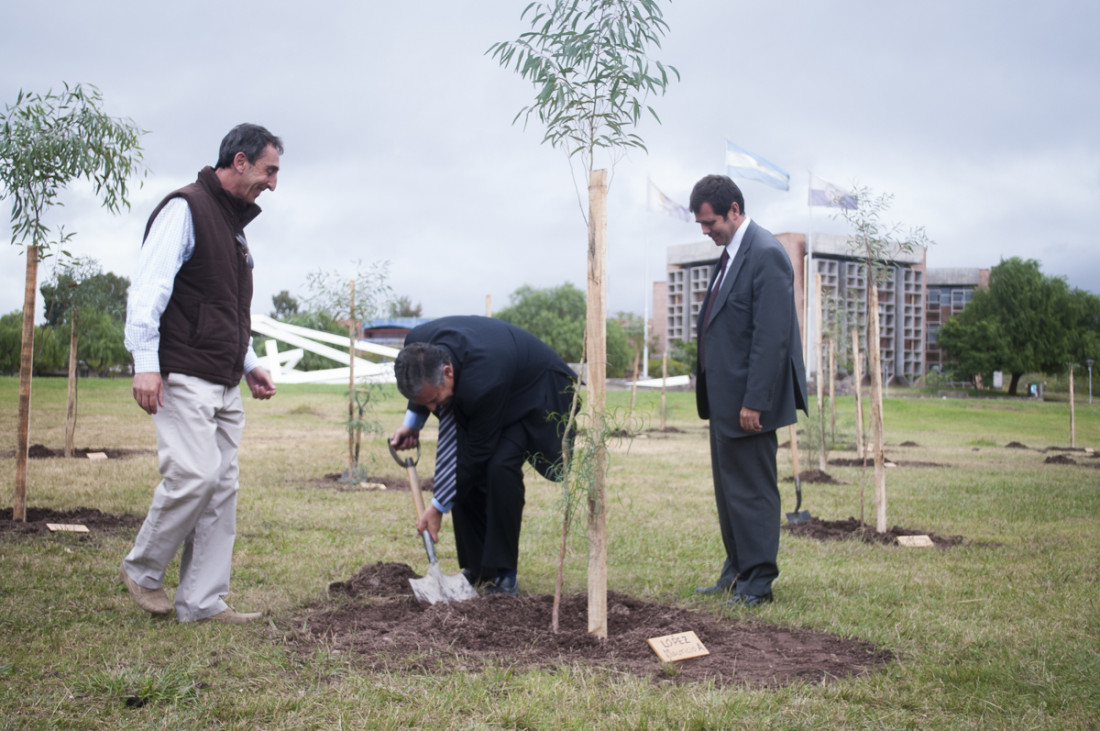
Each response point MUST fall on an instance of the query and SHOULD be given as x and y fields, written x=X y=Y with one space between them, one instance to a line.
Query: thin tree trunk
x=26 y=367
x=877 y=435
x=832 y=390
x=567 y=498
x=596 y=339
x=70 y=411
x=857 y=373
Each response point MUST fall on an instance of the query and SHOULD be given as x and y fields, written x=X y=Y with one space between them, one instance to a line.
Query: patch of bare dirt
x=337 y=481
x=815 y=476
x=374 y=617
x=869 y=462
x=37 y=518
x=1016 y=445
x=1059 y=459
x=839 y=530
x=40 y=451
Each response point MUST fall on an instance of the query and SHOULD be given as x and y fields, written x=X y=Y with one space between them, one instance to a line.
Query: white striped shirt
x=170 y=244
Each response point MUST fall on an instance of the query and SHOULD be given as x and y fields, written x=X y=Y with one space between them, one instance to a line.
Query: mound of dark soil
x=337 y=481
x=374 y=617
x=37 y=518
x=40 y=451
x=815 y=476
x=839 y=530
x=1059 y=459
x=1016 y=445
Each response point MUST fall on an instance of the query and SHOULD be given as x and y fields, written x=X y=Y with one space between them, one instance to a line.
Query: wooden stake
x=1072 y=412
x=664 y=382
x=596 y=338
x=874 y=357
x=351 y=381
x=820 y=375
x=633 y=395
x=70 y=410
x=26 y=367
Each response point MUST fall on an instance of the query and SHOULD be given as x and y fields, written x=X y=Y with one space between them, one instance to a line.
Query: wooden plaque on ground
x=97 y=455
x=915 y=541
x=67 y=527
x=680 y=646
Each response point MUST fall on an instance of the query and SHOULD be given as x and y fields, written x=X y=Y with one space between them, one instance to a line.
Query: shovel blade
x=434 y=587
x=802 y=516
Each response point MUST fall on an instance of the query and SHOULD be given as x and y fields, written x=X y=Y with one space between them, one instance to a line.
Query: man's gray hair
x=419 y=365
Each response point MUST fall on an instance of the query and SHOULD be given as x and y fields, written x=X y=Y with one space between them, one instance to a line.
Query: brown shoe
x=154 y=601
x=232 y=616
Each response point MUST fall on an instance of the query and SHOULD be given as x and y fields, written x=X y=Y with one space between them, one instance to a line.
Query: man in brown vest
x=188 y=327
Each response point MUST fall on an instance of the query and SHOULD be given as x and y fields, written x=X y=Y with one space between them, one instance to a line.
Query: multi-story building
x=949 y=291
x=844 y=288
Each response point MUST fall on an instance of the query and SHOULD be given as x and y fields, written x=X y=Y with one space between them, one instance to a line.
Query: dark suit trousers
x=488 y=508
x=746 y=491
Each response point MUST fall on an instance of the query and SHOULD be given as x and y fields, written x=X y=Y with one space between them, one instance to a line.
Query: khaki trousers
x=195 y=505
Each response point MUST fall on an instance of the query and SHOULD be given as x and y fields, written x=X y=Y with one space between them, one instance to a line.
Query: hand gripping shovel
x=798 y=516
x=434 y=587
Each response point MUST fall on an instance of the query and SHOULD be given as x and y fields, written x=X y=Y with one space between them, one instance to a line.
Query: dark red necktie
x=711 y=297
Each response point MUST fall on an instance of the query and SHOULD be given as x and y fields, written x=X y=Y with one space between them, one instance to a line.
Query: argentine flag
x=743 y=164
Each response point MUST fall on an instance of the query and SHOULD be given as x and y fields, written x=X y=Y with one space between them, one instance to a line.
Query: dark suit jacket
x=503 y=375
x=753 y=348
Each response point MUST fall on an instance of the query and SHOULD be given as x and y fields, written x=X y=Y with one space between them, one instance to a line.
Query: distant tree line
x=1026 y=322
x=98 y=300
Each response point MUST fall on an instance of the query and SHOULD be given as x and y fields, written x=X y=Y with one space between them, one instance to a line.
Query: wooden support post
x=664 y=383
x=819 y=376
x=351 y=381
x=1072 y=412
x=70 y=400
x=596 y=346
x=26 y=368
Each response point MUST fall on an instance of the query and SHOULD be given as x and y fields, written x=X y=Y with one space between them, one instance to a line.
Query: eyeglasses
x=242 y=247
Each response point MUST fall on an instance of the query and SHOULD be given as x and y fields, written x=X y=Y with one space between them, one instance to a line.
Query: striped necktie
x=446 y=459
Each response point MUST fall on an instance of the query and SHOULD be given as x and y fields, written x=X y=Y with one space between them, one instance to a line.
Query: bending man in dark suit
x=508 y=393
x=750 y=380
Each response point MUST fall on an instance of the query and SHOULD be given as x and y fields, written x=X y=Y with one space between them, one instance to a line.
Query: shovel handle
x=404 y=462
x=794 y=450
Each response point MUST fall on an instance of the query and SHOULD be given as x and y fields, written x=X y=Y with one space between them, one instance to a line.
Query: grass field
x=1002 y=632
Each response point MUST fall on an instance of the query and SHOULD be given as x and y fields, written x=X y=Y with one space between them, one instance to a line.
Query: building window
x=933 y=335
x=933 y=297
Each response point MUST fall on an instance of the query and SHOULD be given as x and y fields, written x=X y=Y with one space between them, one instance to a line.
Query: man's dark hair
x=419 y=365
x=720 y=192
x=251 y=139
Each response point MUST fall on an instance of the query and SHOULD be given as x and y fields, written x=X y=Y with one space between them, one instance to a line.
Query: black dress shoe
x=748 y=600
x=504 y=585
x=714 y=589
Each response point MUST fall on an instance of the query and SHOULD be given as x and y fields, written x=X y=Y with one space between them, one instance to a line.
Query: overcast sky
x=982 y=117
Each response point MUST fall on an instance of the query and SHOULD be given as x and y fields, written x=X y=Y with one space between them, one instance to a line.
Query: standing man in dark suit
x=750 y=380
x=507 y=394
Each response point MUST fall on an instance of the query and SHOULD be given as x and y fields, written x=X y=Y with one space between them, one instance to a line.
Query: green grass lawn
x=1002 y=632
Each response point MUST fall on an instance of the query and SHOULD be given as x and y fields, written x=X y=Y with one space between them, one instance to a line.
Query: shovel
x=434 y=587
x=798 y=516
